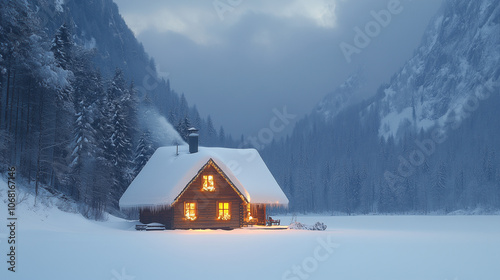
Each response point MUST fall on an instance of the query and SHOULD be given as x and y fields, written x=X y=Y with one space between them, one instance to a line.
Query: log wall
x=207 y=204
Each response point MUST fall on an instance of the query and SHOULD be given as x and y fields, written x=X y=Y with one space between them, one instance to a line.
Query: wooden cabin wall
x=207 y=204
x=164 y=216
x=258 y=211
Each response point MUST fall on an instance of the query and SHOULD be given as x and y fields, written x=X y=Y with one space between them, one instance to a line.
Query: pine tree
x=183 y=127
x=183 y=106
x=63 y=107
x=143 y=152
x=120 y=132
x=440 y=181
x=86 y=149
x=171 y=117
x=195 y=118
x=106 y=160
x=62 y=47
x=211 y=133
x=222 y=137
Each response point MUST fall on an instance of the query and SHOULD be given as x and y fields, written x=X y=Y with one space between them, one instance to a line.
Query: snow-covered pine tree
x=171 y=117
x=211 y=133
x=130 y=103
x=194 y=117
x=183 y=106
x=222 y=137
x=440 y=186
x=86 y=147
x=105 y=128
x=143 y=151
x=62 y=47
x=119 y=148
x=183 y=127
x=178 y=128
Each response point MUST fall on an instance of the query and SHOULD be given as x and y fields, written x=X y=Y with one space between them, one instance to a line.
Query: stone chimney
x=193 y=140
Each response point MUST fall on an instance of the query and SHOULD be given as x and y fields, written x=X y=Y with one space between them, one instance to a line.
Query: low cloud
x=200 y=21
x=268 y=54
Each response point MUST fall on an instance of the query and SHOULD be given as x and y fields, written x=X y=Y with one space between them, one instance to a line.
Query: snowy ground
x=52 y=244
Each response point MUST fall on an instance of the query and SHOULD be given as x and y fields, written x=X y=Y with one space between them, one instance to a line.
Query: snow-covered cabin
x=187 y=187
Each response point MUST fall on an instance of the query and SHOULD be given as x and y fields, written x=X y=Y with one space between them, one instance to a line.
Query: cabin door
x=258 y=211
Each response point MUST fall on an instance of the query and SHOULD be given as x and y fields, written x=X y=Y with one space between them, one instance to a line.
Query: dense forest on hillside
x=350 y=169
x=82 y=106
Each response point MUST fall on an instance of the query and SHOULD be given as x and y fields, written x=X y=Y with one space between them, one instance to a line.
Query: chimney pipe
x=193 y=140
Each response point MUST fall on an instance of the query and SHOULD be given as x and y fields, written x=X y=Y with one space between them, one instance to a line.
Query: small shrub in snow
x=316 y=226
x=319 y=226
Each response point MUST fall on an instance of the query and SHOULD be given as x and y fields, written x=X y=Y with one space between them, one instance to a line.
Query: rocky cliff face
x=456 y=65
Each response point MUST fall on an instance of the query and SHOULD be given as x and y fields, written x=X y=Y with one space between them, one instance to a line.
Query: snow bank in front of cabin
x=166 y=174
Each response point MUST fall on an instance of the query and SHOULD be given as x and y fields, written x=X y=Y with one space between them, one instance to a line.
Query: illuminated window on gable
x=224 y=213
x=208 y=183
x=190 y=211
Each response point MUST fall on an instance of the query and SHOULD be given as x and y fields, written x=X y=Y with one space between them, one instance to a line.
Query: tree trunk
x=11 y=103
x=39 y=151
x=7 y=91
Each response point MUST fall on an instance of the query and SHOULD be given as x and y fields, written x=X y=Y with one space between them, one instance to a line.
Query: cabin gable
x=222 y=207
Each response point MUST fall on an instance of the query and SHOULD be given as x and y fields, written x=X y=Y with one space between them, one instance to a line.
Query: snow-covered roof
x=166 y=175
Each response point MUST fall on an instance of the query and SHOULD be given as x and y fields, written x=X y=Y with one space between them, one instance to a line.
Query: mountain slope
x=458 y=62
x=333 y=103
x=389 y=153
x=97 y=25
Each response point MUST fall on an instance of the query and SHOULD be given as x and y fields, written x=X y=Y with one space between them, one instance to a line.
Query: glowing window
x=224 y=213
x=208 y=183
x=190 y=211
x=249 y=212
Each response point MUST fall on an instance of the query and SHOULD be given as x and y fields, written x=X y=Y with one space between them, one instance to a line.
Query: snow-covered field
x=52 y=244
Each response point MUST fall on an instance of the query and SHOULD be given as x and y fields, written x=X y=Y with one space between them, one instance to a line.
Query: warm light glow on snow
x=249 y=213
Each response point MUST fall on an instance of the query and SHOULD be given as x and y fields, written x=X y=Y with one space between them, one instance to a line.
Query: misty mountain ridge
x=456 y=64
x=384 y=154
x=342 y=97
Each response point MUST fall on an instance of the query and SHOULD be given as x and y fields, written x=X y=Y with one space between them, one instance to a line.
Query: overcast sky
x=238 y=59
